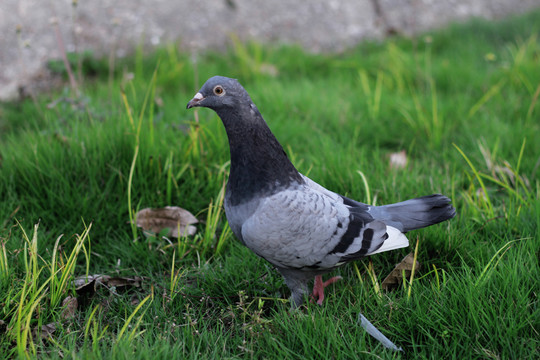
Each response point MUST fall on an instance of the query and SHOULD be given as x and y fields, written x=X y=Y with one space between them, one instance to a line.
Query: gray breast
x=238 y=214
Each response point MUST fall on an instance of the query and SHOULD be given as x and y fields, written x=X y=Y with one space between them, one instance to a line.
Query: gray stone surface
x=31 y=29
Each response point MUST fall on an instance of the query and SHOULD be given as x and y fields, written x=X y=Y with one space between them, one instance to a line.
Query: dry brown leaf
x=121 y=281
x=70 y=305
x=83 y=281
x=174 y=218
x=395 y=277
x=398 y=160
x=86 y=286
x=45 y=332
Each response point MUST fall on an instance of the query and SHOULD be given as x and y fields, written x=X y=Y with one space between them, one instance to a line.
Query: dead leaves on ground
x=45 y=332
x=85 y=288
x=178 y=221
x=69 y=305
x=402 y=270
x=90 y=284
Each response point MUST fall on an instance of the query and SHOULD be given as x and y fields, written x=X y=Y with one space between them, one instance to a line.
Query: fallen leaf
x=398 y=160
x=45 y=332
x=395 y=277
x=70 y=305
x=120 y=281
x=83 y=281
x=174 y=218
x=86 y=286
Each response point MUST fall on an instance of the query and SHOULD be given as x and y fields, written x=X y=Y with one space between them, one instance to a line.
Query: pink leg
x=318 y=287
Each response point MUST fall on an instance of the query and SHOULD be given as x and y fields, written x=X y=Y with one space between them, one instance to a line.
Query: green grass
x=464 y=104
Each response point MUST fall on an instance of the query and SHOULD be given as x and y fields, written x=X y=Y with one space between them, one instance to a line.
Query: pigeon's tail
x=415 y=213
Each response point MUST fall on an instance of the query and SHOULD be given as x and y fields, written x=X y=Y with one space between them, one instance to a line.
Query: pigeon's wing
x=308 y=229
x=395 y=237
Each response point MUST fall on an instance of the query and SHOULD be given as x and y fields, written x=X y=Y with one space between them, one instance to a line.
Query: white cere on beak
x=198 y=96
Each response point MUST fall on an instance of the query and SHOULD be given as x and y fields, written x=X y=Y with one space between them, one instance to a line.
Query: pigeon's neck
x=259 y=165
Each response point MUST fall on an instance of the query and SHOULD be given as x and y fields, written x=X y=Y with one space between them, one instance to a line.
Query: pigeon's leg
x=318 y=287
x=297 y=283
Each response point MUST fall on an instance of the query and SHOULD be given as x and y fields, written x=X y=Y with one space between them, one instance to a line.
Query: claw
x=318 y=288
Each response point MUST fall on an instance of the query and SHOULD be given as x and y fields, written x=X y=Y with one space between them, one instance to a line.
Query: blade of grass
x=494 y=90
x=127 y=323
x=60 y=286
x=479 y=178
x=409 y=291
x=533 y=102
x=366 y=187
x=131 y=211
x=493 y=262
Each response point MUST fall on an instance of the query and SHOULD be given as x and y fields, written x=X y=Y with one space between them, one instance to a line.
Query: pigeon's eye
x=219 y=90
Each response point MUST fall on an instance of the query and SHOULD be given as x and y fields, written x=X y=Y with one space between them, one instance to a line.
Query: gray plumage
x=294 y=223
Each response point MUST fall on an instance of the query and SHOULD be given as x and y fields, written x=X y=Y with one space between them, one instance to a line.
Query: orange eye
x=219 y=91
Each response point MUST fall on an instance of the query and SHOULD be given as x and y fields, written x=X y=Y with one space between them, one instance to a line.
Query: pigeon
x=283 y=216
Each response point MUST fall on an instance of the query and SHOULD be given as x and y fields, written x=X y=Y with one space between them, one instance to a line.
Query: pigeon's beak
x=195 y=101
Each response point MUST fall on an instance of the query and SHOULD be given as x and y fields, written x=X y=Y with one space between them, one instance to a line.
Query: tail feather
x=415 y=213
x=396 y=240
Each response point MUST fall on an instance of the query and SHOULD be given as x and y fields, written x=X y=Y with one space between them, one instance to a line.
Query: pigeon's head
x=219 y=92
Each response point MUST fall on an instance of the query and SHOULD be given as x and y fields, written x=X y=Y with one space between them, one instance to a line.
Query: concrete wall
x=31 y=29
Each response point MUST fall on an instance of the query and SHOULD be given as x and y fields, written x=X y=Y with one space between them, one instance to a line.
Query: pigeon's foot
x=318 y=287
